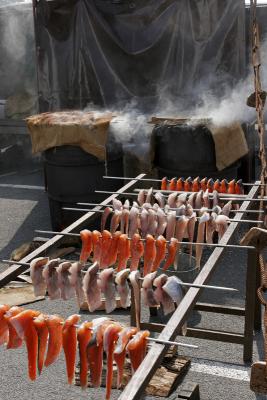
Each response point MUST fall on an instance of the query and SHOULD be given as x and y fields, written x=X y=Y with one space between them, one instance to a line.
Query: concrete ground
x=216 y=366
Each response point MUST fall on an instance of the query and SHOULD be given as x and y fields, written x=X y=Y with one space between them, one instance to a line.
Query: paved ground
x=217 y=367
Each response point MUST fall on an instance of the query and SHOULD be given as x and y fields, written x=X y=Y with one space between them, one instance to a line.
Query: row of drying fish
x=46 y=335
x=196 y=184
x=67 y=280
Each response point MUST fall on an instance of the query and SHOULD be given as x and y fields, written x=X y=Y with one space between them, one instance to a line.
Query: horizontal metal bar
x=220 y=309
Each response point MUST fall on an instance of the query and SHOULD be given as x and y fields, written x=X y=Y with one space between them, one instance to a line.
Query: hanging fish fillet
x=76 y=280
x=200 y=236
x=104 y=217
x=196 y=185
x=123 y=287
x=171 y=224
x=180 y=232
x=216 y=199
x=141 y=198
x=136 y=250
x=174 y=289
x=221 y=225
x=69 y=341
x=161 y=246
x=199 y=200
x=3 y=324
x=172 y=199
x=14 y=341
x=172 y=184
x=160 y=199
x=181 y=199
x=227 y=208
x=191 y=232
x=203 y=184
x=147 y=290
x=84 y=335
x=210 y=185
x=120 y=350
x=231 y=187
x=164 y=183
x=162 y=222
x=217 y=185
x=50 y=275
x=188 y=184
x=126 y=204
x=124 y=252
x=134 y=278
x=224 y=186
x=87 y=245
x=206 y=199
x=42 y=333
x=97 y=245
x=149 y=195
x=113 y=251
x=125 y=215
x=91 y=288
x=36 y=274
x=23 y=324
x=115 y=221
x=67 y=290
x=152 y=222
x=191 y=199
x=210 y=229
x=172 y=249
x=134 y=221
x=117 y=204
x=150 y=254
x=106 y=242
x=111 y=336
x=180 y=185
x=137 y=348
x=144 y=222
x=107 y=286
x=161 y=296
x=55 y=325
x=239 y=188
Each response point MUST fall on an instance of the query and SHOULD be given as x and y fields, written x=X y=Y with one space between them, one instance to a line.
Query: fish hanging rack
x=251 y=312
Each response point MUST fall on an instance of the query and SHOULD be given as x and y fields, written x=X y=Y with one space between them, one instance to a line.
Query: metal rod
x=16 y=262
x=234 y=246
x=224 y=198
x=248 y=221
x=193 y=346
x=193 y=285
x=160 y=180
x=171 y=208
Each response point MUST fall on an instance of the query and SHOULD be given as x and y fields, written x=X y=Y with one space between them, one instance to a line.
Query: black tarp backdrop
x=111 y=52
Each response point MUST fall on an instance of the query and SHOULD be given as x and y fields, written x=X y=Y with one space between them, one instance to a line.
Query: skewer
x=171 y=209
x=248 y=221
x=160 y=180
x=222 y=196
x=234 y=246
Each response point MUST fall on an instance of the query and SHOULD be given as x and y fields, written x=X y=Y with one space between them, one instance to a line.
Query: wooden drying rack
x=251 y=311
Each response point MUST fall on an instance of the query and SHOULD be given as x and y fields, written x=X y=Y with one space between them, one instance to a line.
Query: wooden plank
x=220 y=309
x=14 y=270
x=144 y=373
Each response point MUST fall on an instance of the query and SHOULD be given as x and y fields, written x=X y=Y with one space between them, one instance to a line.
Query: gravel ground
x=22 y=211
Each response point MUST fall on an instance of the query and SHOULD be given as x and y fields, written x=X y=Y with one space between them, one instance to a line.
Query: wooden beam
x=144 y=373
x=14 y=270
x=220 y=309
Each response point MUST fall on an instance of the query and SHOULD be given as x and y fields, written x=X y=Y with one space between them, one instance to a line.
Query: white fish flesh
x=64 y=280
x=172 y=198
x=117 y=204
x=50 y=275
x=91 y=288
x=115 y=221
x=147 y=290
x=123 y=288
x=144 y=222
x=161 y=296
x=221 y=225
x=107 y=286
x=76 y=280
x=152 y=222
x=200 y=237
x=162 y=222
x=227 y=208
x=134 y=221
x=105 y=215
x=160 y=199
x=171 y=224
x=141 y=198
x=36 y=273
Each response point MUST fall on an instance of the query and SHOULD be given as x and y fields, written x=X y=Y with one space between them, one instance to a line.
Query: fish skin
x=160 y=199
x=76 y=280
x=120 y=350
x=91 y=288
x=111 y=336
x=42 y=333
x=171 y=223
x=164 y=183
x=117 y=204
x=221 y=225
x=144 y=222
x=50 y=275
x=172 y=249
x=36 y=274
x=137 y=348
x=141 y=197
x=84 y=335
x=107 y=286
x=3 y=324
x=115 y=221
x=67 y=290
x=152 y=222
x=123 y=288
x=174 y=289
x=95 y=350
x=105 y=249
x=180 y=185
x=69 y=342
x=23 y=324
x=87 y=245
x=150 y=254
x=137 y=251
x=97 y=246
x=113 y=251
x=162 y=222
x=134 y=221
x=172 y=199
x=134 y=279
x=227 y=208
x=14 y=341
x=104 y=217
x=161 y=296
x=124 y=252
x=161 y=246
x=147 y=290
x=54 y=324
x=200 y=237
x=124 y=223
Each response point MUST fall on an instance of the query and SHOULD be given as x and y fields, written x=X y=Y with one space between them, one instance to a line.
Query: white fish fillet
x=191 y=233
x=171 y=224
x=172 y=198
x=206 y=199
x=152 y=222
x=162 y=222
x=144 y=222
x=134 y=221
x=181 y=199
x=141 y=197
x=216 y=198
x=199 y=200
x=147 y=290
x=200 y=237
x=227 y=208
x=50 y=275
x=161 y=296
x=64 y=281
x=134 y=278
x=76 y=280
x=123 y=287
x=105 y=215
x=91 y=288
x=125 y=221
x=149 y=195
x=117 y=204
x=221 y=225
x=36 y=274
x=191 y=199
x=180 y=231
x=160 y=199
x=115 y=221
x=107 y=286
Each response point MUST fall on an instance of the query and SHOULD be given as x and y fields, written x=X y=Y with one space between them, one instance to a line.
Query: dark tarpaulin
x=110 y=52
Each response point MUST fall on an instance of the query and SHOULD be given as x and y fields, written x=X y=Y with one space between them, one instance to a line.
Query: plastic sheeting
x=111 y=52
